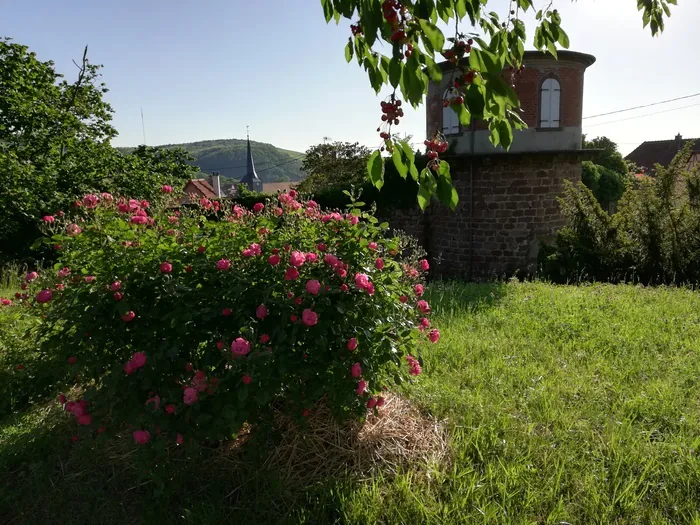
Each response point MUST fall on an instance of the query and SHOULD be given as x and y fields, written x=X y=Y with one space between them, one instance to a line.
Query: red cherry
x=459 y=100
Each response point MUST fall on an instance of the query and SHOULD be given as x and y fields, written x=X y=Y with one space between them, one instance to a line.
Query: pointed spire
x=251 y=178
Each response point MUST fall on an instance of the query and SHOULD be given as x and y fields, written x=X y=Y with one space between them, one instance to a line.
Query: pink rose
x=423 y=306
x=166 y=267
x=434 y=335
x=321 y=247
x=293 y=194
x=31 y=276
x=380 y=402
x=246 y=379
x=356 y=370
x=62 y=399
x=424 y=322
x=371 y=403
x=261 y=312
x=418 y=289
x=223 y=264
x=313 y=287
x=138 y=359
x=293 y=318
x=179 y=439
x=201 y=249
x=205 y=203
x=118 y=296
x=64 y=272
x=379 y=263
x=166 y=188
x=264 y=338
x=258 y=207
x=106 y=197
x=361 y=387
x=361 y=281
x=115 y=286
x=372 y=245
x=279 y=211
x=141 y=437
x=309 y=317
x=330 y=259
x=73 y=230
x=240 y=347
x=274 y=260
x=424 y=265
x=170 y=409
x=128 y=368
x=344 y=287
x=128 y=316
x=44 y=296
x=84 y=419
x=48 y=219
x=291 y=274
x=226 y=312
x=139 y=219
x=90 y=278
x=403 y=299
x=352 y=344
x=144 y=204
x=91 y=201
x=189 y=396
x=353 y=219
x=297 y=259
x=72 y=360
x=311 y=257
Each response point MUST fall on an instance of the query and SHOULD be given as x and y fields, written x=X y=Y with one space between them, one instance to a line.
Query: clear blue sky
x=205 y=70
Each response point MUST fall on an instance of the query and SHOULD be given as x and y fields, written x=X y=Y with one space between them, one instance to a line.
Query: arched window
x=550 y=104
x=450 y=120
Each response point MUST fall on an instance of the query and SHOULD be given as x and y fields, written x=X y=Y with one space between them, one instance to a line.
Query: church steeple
x=251 y=179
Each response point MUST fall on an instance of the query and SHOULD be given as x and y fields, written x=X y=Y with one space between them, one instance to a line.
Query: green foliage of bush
x=191 y=322
x=654 y=237
x=607 y=185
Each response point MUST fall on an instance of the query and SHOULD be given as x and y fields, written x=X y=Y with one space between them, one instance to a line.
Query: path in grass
x=565 y=404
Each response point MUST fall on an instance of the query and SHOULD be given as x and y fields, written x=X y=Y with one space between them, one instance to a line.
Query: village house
x=650 y=153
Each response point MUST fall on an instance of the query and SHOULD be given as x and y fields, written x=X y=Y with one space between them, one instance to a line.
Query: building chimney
x=216 y=183
x=679 y=141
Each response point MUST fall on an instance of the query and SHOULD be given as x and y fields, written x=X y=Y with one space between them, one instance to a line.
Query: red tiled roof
x=653 y=152
x=274 y=187
x=200 y=187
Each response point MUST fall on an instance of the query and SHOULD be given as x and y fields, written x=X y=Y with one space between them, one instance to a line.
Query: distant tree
x=334 y=165
x=54 y=146
x=609 y=157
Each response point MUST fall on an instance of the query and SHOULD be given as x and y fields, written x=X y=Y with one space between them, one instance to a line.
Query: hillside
x=228 y=157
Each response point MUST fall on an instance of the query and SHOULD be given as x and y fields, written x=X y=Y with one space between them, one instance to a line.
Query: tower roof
x=250 y=176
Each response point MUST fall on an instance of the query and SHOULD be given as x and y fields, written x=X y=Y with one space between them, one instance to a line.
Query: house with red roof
x=652 y=152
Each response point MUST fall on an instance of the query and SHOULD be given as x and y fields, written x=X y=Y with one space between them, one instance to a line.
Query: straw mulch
x=399 y=437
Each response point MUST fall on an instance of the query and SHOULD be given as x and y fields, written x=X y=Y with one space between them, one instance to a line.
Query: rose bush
x=184 y=323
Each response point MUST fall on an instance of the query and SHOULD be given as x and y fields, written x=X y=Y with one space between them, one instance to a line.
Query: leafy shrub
x=190 y=322
x=607 y=185
x=654 y=237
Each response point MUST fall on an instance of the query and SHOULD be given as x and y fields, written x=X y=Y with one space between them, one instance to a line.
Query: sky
x=206 y=70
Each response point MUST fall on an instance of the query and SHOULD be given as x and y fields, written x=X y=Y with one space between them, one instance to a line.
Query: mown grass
x=564 y=405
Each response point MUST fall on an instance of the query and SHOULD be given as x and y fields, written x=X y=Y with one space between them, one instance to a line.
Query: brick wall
x=514 y=208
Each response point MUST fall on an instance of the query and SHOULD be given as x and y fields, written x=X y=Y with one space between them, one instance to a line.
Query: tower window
x=450 y=120
x=550 y=104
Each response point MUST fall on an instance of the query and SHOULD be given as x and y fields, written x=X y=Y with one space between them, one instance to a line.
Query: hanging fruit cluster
x=435 y=146
x=462 y=75
x=391 y=112
x=356 y=29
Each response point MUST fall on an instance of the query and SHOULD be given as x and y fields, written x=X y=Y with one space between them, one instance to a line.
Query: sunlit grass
x=564 y=405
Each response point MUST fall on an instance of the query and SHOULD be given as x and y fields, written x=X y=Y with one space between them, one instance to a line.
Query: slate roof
x=653 y=152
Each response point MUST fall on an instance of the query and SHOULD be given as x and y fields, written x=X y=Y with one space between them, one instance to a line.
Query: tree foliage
x=54 y=146
x=653 y=237
x=485 y=44
x=332 y=166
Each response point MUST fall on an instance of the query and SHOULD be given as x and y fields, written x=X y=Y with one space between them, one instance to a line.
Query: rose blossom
x=258 y=207
x=356 y=370
x=379 y=263
x=419 y=290
x=73 y=230
x=424 y=265
x=44 y=296
x=166 y=188
x=291 y=274
x=434 y=335
x=361 y=387
x=48 y=219
x=31 y=276
x=223 y=264
x=91 y=201
x=309 y=317
x=352 y=344
x=128 y=316
x=297 y=259
x=274 y=260
x=189 y=396
x=240 y=347
x=261 y=312
x=166 y=267
x=141 y=437
x=313 y=287
x=423 y=306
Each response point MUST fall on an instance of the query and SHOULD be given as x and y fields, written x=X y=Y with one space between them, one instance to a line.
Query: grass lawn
x=563 y=404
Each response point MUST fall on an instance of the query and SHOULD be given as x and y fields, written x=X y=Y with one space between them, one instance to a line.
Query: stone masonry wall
x=514 y=208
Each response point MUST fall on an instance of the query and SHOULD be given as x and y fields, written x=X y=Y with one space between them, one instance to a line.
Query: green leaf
x=327 y=9
x=395 y=67
x=375 y=169
x=563 y=39
x=398 y=161
x=426 y=189
x=413 y=171
x=474 y=98
x=505 y=132
x=348 y=51
x=243 y=393
x=446 y=192
x=433 y=34
x=434 y=71
x=461 y=8
x=465 y=117
x=408 y=152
